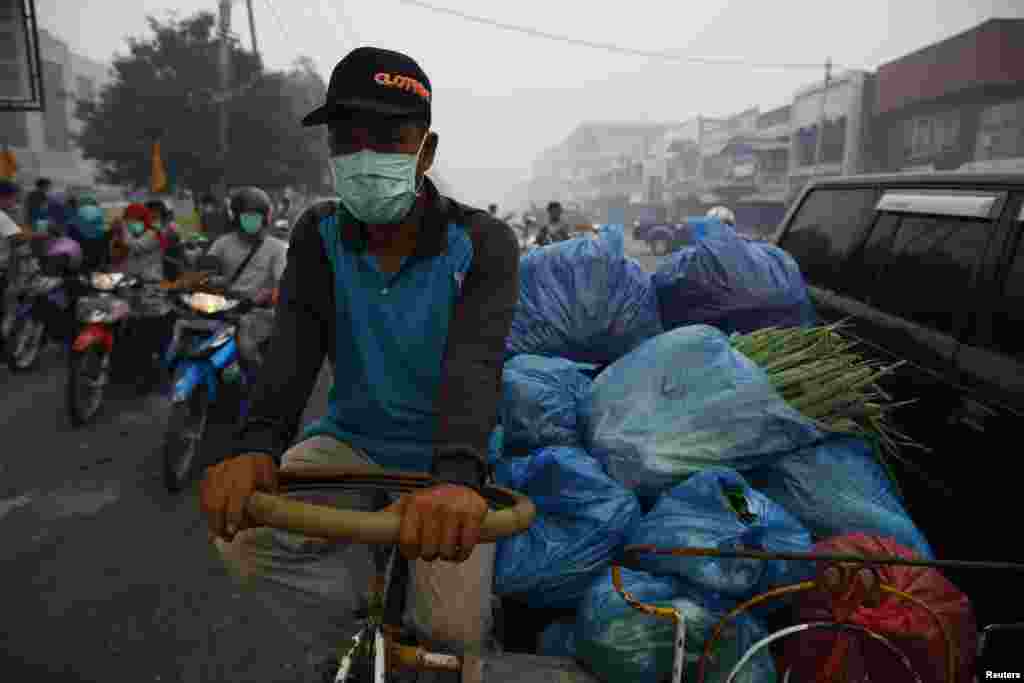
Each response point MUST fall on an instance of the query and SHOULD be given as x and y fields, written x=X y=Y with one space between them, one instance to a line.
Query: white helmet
x=723 y=214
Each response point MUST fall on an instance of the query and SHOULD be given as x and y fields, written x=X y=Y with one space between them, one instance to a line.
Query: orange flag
x=8 y=164
x=158 y=182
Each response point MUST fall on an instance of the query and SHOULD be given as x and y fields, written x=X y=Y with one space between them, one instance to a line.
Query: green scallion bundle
x=817 y=372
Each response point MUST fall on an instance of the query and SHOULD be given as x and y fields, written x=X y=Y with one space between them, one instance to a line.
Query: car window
x=1008 y=329
x=862 y=270
x=828 y=223
x=928 y=279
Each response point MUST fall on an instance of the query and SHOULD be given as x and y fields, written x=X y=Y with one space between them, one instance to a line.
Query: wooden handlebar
x=372 y=528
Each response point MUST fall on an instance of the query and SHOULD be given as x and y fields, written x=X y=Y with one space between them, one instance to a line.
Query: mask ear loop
x=423 y=142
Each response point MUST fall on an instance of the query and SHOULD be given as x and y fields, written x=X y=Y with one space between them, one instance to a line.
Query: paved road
x=106 y=577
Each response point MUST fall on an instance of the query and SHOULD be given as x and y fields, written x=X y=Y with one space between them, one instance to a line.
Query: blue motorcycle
x=203 y=360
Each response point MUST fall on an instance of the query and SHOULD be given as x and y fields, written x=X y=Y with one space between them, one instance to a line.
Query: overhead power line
x=277 y=20
x=611 y=47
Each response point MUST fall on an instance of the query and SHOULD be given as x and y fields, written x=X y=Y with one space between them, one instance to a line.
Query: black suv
x=930 y=269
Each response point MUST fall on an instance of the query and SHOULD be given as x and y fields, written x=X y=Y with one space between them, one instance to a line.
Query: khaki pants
x=316 y=587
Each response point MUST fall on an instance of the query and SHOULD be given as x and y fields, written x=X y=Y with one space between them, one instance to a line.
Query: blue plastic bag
x=682 y=402
x=628 y=646
x=558 y=640
x=583 y=517
x=496 y=445
x=540 y=402
x=584 y=300
x=839 y=487
x=718 y=509
x=732 y=284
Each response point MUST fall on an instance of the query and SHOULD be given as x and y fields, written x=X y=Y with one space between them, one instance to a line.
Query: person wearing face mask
x=248 y=259
x=250 y=262
x=90 y=230
x=410 y=295
x=137 y=247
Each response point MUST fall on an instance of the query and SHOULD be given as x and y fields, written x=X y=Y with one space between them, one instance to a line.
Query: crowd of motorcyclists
x=56 y=247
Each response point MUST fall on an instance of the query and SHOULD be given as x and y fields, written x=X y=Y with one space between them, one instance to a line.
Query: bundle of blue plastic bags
x=621 y=643
x=540 y=403
x=840 y=487
x=583 y=516
x=733 y=284
x=583 y=300
x=682 y=402
x=718 y=509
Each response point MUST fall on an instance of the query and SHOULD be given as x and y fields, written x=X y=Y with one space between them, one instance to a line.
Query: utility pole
x=819 y=152
x=252 y=32
x=222 y=111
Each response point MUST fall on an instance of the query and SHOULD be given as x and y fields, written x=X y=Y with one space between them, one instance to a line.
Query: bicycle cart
x=382 y=651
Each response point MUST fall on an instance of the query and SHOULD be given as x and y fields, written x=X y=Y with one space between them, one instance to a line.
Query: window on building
x=806 y=145
x=1001 y=132
x=15 y=128
x=929 y=275
x=56 y=115
x=86 y=89
x=834 y=143
x=828 y=224
x=924 y=138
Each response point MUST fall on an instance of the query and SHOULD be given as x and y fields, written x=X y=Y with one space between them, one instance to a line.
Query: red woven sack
x=828 y=655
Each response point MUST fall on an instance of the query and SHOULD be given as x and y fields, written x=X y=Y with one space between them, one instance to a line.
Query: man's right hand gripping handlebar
x=227 y=487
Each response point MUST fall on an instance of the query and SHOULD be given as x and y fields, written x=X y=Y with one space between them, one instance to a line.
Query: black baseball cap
x=371 y=79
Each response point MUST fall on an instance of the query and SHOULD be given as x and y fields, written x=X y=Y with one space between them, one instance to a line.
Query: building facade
x=596 y=161
x=957 y=104
x=843 y=112
x=43 y=142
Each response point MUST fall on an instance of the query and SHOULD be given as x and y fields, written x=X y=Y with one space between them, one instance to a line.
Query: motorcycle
x=204 y=360
x=40 y=314
x=106 y=315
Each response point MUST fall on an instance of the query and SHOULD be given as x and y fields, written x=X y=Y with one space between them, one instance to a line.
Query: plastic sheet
x=496 y=445
x=682 y=402
x=540 y=403
x=583 y=300
x=718 y=509
x=907 y=626
x=732 y=284
x=629 y=646
x=583 y=517
x=839 y=487
x=558 y=639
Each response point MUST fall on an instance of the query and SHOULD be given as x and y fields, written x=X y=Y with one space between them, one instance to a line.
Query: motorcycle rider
x=36 y=202
x=253 y=263
x=137 y=251
x=90 y=230
x=555 y=230
x=411 y=296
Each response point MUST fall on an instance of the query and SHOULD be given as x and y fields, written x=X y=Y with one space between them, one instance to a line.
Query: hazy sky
x=500 y=97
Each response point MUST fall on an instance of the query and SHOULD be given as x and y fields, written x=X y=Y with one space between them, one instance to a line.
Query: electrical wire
x=611 y=47
x=277 y=19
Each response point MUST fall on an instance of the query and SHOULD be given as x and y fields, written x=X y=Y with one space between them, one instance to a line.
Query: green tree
x=167 y=86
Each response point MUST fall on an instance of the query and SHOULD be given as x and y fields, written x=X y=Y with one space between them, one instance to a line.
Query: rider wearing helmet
x=251 y=263
x=89 y=227
x=137 y=248
x=724 y=215
x=251 y=218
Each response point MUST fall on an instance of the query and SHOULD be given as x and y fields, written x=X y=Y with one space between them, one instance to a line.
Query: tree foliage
x=165 y=88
